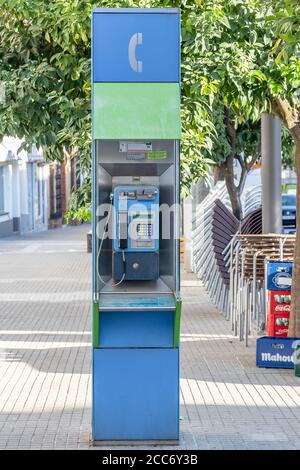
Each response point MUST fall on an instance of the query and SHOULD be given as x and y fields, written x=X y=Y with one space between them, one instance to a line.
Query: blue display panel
x=136 y=47
x=136 y=329
x=136 y=301
x=135 y=394
x=279 y=275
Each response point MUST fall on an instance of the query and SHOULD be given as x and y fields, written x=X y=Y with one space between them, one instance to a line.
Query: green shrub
x=80 y=205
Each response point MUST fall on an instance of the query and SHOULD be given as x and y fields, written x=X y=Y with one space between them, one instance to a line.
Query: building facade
x=34 y=194
x=63 y=178
x=23 y=189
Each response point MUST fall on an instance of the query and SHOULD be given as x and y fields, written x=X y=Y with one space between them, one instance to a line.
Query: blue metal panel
x=279 y=275
x=275 y=352
x=136 y=266
x=136 y=47
x=136 y=329
x=136 y=394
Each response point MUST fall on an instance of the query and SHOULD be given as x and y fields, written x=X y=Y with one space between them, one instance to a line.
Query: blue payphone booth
x=136 y=299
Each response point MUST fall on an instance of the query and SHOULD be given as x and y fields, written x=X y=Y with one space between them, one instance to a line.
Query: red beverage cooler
x=278 y=312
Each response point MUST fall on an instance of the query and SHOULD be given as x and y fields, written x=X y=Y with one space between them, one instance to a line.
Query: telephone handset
x=135 y=40
x=123 y=230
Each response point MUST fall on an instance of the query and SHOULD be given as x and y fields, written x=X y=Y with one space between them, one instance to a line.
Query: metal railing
x=242 y=299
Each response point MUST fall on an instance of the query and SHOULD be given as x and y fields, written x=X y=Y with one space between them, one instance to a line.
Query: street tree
x=45 y=68
x=45 y=63
x=228 y=44
x=237 y=150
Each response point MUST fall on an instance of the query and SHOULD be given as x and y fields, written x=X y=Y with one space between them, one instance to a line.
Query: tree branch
x=254 y=159
x=278 y=106
x=242 y=181
x=246 y=167
x=240 y=159
x=289 y=116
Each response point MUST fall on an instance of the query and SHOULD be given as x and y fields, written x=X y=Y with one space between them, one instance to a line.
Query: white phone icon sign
x=135 y=40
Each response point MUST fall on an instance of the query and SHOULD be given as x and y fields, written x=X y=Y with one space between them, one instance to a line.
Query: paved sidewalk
x=45 y=355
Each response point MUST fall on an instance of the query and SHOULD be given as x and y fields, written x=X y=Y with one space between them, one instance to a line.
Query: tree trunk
x=233 y=190
x=236 y=203
x=218 y=172
x=294 y=325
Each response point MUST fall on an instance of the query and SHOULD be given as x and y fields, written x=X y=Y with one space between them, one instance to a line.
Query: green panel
x=137 y=111
x=177 y=323
x=95 y=325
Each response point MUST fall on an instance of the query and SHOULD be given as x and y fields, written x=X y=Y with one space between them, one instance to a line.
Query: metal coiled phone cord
x=100 y=248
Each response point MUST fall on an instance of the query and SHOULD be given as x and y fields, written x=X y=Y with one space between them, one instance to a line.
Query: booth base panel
x=161 y=442
x=136 y=329
x=136 y=394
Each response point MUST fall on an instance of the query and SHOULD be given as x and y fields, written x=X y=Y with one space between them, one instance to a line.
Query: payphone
x=136 y=233
x=136 y=131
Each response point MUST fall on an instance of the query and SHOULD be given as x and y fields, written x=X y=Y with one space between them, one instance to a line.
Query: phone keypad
x=144 y=230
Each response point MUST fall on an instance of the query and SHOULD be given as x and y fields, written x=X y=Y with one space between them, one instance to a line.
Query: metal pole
x=242 y=297
x=247 y=322
x=271 y=174
x=236 y=290
x=254 y=285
